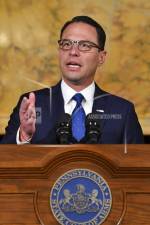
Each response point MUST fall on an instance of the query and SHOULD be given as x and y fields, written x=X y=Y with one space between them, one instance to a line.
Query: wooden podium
x=27 y=174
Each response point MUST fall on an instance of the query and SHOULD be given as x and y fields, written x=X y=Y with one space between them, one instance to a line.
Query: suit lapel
x=99 y=105
x=57 y=109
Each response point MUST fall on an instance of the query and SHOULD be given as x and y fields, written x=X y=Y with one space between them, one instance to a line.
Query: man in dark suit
x=81 y=51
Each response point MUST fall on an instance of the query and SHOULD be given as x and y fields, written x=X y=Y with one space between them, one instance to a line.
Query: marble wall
x=29 y=30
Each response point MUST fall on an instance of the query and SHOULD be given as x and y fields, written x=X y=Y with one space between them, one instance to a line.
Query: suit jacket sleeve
x=12 y=127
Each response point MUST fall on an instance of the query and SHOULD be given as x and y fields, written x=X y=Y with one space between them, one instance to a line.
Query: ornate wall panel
x=29 y=30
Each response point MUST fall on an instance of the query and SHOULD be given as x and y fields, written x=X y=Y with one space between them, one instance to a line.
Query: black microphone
x=92 y=129
x=63 y=130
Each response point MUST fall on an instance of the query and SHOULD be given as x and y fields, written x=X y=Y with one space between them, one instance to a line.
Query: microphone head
x=92 y=129
x=63 y=129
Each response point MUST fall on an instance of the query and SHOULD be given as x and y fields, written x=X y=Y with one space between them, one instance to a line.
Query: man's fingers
x=31 y=112
x=24 y=104
x=32 y=99
x=28 y=121
x=27 y=102
x=27 y=115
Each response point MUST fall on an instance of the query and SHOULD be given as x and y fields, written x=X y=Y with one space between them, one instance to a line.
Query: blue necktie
x=78 y=118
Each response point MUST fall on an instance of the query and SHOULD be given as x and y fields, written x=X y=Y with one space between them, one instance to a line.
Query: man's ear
x=102 y=56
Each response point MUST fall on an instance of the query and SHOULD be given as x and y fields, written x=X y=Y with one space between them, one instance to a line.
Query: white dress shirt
x=69 y=103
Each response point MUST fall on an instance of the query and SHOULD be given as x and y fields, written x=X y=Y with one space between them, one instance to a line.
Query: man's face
x=78 y=67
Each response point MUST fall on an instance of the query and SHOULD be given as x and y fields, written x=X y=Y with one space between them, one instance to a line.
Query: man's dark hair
x=88 y=20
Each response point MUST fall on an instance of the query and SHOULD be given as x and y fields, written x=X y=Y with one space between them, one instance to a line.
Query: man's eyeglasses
x=83 y=46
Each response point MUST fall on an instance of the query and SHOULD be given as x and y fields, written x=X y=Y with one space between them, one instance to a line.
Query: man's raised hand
x=27 y=116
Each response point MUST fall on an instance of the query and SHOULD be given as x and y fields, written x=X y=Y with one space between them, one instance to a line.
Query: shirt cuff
x=21 y=142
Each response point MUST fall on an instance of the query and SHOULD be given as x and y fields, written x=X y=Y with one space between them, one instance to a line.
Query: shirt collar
x=68 y=92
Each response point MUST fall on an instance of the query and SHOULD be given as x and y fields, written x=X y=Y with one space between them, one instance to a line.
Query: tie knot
x=78 y=98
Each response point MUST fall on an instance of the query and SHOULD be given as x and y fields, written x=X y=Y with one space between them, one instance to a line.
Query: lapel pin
x=100 y=110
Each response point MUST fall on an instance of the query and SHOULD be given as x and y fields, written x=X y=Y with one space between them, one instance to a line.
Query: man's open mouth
x=73 y=65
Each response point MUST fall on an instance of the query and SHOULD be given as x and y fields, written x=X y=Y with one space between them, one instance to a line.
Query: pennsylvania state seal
x=80 y=197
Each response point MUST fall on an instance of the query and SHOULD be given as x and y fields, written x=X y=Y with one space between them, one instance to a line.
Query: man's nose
x=74 y=50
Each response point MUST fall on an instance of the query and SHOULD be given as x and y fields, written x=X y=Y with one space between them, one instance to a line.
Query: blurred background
x=29 y=30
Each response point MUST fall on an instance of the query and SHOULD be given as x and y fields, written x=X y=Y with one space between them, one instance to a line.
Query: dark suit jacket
x=117 y=118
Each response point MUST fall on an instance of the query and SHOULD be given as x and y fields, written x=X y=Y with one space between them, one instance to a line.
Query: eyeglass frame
x=77 y=42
